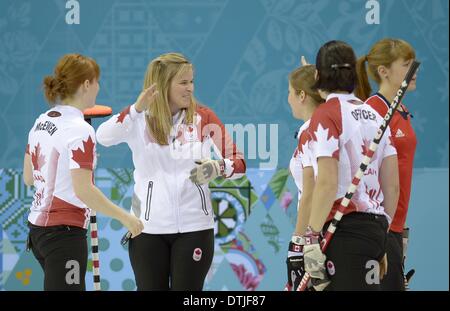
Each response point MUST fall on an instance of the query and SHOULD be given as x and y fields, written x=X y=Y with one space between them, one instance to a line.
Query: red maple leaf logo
x=37 y=158
x=123 y=114
x=85 y=159
x=371 y=192
x=303 y=142
x=366 y=147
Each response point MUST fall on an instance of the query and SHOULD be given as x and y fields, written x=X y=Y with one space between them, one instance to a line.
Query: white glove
x=207 y=170
x=315 y=261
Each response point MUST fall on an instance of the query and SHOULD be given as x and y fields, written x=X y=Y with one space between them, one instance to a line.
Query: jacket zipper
x=177 y=206
x=202 y=196
x=149 y=200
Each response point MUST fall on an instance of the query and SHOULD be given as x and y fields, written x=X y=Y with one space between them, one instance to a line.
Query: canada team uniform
x=301 y=158
x=165 y=199
x=59 y=141
x=173 y=209
x=343 y=128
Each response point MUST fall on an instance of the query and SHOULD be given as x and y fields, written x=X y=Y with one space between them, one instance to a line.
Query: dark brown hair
x=335 y=63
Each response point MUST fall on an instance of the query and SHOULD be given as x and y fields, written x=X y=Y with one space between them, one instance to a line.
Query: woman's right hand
x=146 y=98
x=133 y=224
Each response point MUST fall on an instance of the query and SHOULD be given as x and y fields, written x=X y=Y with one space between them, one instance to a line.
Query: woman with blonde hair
x=387 y=63
x=303 y=100
x=58 y=162
x=171 y=137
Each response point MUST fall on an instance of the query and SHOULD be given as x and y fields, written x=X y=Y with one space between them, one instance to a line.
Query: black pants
x=62 y=253
x=394 y=280
x=354 y=251
x=171 y=261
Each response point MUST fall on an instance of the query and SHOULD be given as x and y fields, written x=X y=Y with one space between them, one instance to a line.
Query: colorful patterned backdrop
x=242 y=52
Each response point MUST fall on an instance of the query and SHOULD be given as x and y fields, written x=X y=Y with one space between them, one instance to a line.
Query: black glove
x=295 y=265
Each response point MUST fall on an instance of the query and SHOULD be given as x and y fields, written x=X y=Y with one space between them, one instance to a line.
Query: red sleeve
x=212 y=126
x=37 y=158
x=325 y=129
x=125 y=112
x=303 y=149
x=378 y=104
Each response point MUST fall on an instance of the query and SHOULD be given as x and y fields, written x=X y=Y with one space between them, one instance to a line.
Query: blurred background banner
x=243 y=52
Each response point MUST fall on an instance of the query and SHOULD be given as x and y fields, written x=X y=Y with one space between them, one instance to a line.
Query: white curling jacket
x=165 y=199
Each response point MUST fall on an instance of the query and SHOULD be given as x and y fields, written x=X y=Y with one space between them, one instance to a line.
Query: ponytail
x=363 y=88
x=54 y=89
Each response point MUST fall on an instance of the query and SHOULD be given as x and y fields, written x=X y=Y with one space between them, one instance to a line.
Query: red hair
x=70 y=72
x=383 y=53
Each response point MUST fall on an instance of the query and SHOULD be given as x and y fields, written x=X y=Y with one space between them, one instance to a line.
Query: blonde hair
x=162 y=70
x=383 y=53
x=303 y=79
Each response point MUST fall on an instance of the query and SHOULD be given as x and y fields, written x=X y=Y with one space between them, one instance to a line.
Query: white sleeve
x=118 y=128
x=325 y=128
x=389 y=148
